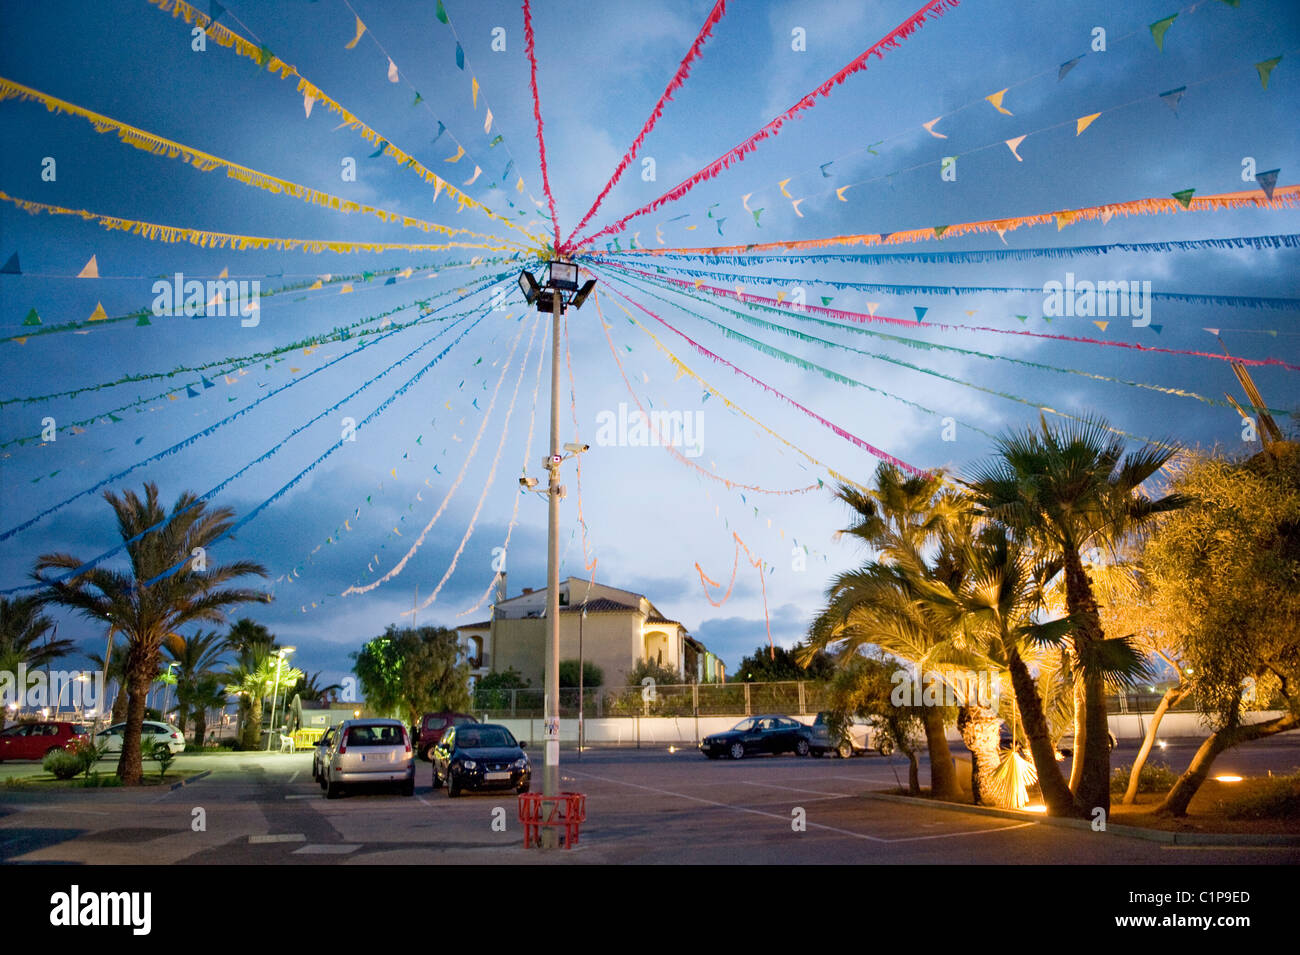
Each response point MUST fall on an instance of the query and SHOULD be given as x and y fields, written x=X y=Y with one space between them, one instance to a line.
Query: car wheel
x=1112 y=740
x=332 y=789
x=885 y=748
x=737 y=751
x=845 y=750
x=802 y=748
x=53 y=749
x=160 y=750
x=428 y=755
x=453 y=787
x=437 y=783
x=408 y=788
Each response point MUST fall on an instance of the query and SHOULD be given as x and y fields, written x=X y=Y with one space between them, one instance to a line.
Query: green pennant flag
x=496 y=140
x=939 y=230
x=1265 y=67
x=115 y=419
x=32 y=318
x=757 y=213
x=1023 y=318
x=826 y=299
x=142 y=320
x=441 y=13
x=418 y=99
x=367 y=276
x=1184 y=197
x=1160 y=28
x=263 y=55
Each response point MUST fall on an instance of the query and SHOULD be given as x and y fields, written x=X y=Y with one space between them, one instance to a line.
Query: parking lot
x=644 y=807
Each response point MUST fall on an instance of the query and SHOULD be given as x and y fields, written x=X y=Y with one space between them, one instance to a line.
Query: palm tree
x=197 y=657
x=1066 y=491
x=25 y=636
x=876 y=605
x=245 y=634
x=309 y=688
x=147 y=612
x=256 y=674
x=208 y=693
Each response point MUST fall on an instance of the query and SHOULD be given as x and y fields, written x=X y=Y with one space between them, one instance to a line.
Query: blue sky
x=601 y=67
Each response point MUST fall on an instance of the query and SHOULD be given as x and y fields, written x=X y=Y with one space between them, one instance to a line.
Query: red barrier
x=566 y=810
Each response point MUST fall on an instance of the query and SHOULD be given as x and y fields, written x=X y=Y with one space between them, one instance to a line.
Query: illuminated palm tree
x=168 y=584
x=1067 y=490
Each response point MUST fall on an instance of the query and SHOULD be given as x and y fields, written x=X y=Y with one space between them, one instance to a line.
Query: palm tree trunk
x=1189 y=783
x=1171 y=698
x=120 y=702
x=1092 y=789
x=253 y=726
x=979 y=731
x=943 y=775
x=200 y=725
x=1056 y=795
x=130 y=767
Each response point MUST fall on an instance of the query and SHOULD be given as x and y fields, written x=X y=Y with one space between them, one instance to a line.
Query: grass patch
x=42 y=782
x=1155 y=777
x=1276 y=797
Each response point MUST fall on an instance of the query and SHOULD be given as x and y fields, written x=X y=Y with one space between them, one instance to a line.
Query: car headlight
x=520 y=763
x=468 y=764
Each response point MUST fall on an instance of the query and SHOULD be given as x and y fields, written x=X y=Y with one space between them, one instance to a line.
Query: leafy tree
x=411 y=672
x=1068 y=489
x=510 y=679
x=592 y=675
x=147 y=613
x=1228 y=569
x=864 y=687
x=208 y=693
x=773 y=664
x=245 y=634
x=662 y=675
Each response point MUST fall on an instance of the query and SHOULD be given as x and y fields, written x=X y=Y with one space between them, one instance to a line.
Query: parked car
x=321 y=752
x=152 y=736
x=860 y=737
x=34 y=740
x=480 y=756
x=769 y=733
x=369 y=751
x=1066 y=746
x=433 y=725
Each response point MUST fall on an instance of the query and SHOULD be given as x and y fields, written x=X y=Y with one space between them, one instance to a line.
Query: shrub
x=63 y=764
x=1276 y=798
x=1155 y=777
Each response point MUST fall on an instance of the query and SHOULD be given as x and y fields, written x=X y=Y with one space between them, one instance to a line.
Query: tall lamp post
x=560 y=292
x=279 y=668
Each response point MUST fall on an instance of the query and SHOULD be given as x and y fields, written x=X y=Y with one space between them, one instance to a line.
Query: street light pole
x=551 y=770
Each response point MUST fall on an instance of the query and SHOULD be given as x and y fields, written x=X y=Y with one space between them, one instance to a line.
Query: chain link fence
x=795 y=697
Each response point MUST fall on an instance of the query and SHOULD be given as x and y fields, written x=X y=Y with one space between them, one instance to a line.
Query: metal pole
x=279 y=662
x=580 y=680
x=551 y=772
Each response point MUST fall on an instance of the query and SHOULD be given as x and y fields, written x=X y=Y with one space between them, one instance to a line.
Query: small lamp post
x=279 y=668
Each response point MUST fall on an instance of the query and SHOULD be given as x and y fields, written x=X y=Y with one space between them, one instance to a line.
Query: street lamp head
x=528 y=285
x=583 y=293
x=564 y=276
x=528 y=482
x=573 y=448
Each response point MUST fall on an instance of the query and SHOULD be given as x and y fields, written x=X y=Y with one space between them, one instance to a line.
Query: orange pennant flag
x=474 y=90
x=345 y=289
x=225 y=273
x=361 y=28
x=929 y=128
x=839 y=193
x=315 y=285
x=460 y=151
x=1101 y=325
x=872 y=306
x=783 y=190
x=1083 y=122
x=91 y=271
x=996 y=100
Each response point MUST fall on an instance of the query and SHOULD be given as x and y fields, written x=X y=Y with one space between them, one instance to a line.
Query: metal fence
x=795 y=697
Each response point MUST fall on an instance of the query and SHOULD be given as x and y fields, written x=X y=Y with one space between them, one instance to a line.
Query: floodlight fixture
x=563 y=277
x=574 y=448
x=528 y=285
x=528 y=482
x=583 y=293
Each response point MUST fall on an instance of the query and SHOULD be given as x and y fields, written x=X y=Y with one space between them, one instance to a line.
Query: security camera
x=528 y=482
x=577 y=448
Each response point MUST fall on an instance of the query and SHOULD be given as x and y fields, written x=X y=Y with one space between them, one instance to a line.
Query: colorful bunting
x=1066 y=67
x=90 y=270
x=1013 y=145
x=1267 y=181
x=1171 y=98
x=1083 y=122
x=361 y=28
x=1159 y=28
x=1265 y=67
x=996 y=100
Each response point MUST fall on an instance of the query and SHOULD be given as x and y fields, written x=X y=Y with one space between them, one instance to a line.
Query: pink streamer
x=935 y=8
x=537 y=114
x=674 y=84
x=861 y=319
x=847 y=436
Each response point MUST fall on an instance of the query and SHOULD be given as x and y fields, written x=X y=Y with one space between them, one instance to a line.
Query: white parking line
x=815 y=825
x=278 y=837
x=331 y=849
x=815 y=792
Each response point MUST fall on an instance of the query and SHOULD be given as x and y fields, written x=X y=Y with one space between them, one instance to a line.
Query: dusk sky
x=601 y=67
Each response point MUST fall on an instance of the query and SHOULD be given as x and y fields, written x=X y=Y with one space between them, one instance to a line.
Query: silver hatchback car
x=369 y=751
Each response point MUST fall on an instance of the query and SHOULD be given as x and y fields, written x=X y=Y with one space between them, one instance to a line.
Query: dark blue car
x=769 y=733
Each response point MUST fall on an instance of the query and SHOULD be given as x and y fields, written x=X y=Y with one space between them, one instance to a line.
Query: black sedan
x=770 y=733
x=480 y=756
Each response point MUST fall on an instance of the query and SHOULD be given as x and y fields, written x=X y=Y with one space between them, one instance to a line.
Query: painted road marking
x=326 y=850
x=280 y=837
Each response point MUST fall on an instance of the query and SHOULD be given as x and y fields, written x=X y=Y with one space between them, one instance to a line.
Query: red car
x=34 y=740
x=431 y=728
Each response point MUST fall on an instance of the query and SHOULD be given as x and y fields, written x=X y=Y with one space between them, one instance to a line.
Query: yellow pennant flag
x=1063 y=219
x=780 y=296
x=474 y=90
x=361 y=28
x=744 y=201
x=346 y=288
x=519 y=186
x=225 y=273
x=98 y=315
x=315 y=285
x=1101 y=325
x=487 y=122
x=470 y=180
x=783 y=190
x=460 y=151
x=1083 y=122
x=405 y=273
x=839 y=193
x=1013 y=145
x=91 y=271
x=996 y=100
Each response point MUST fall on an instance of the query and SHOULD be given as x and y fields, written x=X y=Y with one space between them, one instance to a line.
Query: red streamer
x=862 y=319
x=674 y=84
x=847 y=436
x=935 y=8
x=537 y=114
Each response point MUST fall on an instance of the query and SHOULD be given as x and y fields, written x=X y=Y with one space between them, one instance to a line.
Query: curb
x=190 y=779
x=1127 y=832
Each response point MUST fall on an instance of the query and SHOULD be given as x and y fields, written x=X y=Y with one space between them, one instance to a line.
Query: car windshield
x=471 y=736
x=383 y=735
x=744 y=726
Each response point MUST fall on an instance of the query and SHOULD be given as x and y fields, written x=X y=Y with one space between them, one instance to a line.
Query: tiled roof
x=601 y=605
x=482 y=625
